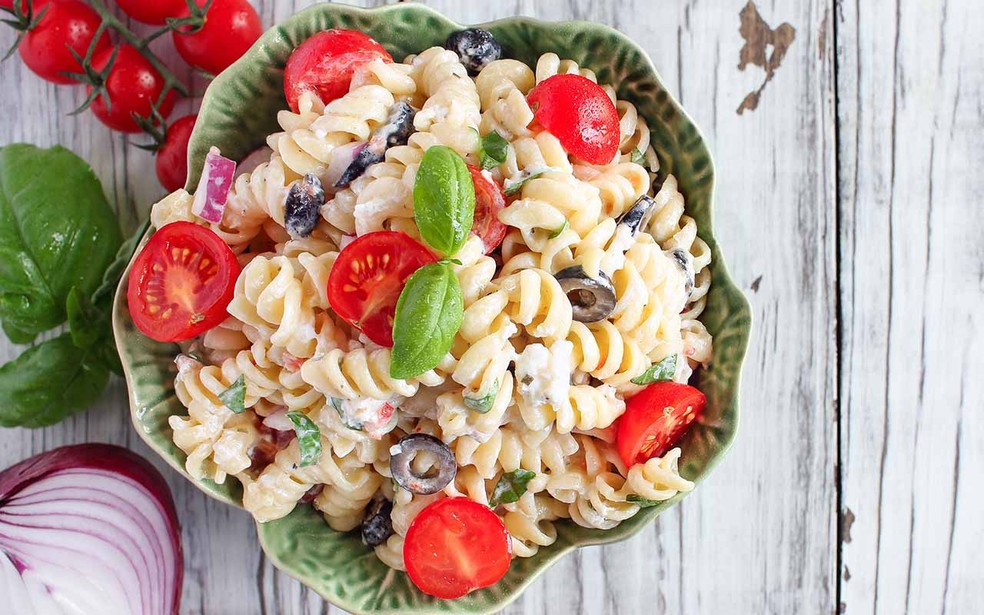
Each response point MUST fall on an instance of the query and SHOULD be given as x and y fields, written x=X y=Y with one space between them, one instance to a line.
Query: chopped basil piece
x=308 y=438
x=234 y=397
x=493 y=150
x=659 y=372
x=511 y=187
x=563 y=227
x=641 y=501
x=483 y=404
x=346 y=420
x=638 y=157
x=511 y=486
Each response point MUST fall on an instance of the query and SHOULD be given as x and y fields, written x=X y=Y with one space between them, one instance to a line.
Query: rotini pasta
x=562 y=319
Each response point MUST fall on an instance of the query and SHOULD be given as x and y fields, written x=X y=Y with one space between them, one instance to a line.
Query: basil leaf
x=557 y=232
x=511 y=187
x=641 y=501
x=85 y=322
x=638 y=157
x=57 y=232
x=308 y=438
x=484 y=404
x=511 y=486
x=660 y=372
x=443 y=200
x=48 y=383
x=493 y=151
x=428 y=315
x=346 y=420
x=234 y=397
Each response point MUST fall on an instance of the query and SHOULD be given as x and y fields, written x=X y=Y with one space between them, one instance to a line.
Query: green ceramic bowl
x=238 y=112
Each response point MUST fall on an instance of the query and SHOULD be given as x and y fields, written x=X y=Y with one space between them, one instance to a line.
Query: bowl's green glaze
x=239 y=110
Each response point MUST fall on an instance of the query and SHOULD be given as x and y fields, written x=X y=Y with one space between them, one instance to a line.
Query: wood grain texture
x=850 y=190
x=911 y=275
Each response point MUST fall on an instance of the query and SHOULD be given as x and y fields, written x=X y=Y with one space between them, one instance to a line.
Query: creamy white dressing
x=544 y=374
x=370 y=414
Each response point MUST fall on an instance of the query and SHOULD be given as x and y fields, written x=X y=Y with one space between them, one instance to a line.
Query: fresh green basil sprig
x=60 y=260
x=430 y=308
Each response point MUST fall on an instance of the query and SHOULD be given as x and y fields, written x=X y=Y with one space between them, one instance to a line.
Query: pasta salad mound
x=452 y=303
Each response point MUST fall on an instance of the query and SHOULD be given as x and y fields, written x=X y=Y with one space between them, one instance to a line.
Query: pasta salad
x=452 y=303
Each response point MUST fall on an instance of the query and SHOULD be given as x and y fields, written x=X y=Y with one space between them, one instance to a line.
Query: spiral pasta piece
x=363 y=373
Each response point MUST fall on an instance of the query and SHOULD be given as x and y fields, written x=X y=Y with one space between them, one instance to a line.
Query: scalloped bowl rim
x=721 y=276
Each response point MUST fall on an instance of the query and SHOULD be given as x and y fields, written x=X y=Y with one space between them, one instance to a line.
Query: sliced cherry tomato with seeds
x=489 y=201
x=655 y=419
x=324 y=64
x=367 y=278
x=181 y=282
x=455 y=546
x=580 y=114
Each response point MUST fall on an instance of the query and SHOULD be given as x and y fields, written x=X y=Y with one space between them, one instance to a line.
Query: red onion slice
x=213 y=187
x=88 y=529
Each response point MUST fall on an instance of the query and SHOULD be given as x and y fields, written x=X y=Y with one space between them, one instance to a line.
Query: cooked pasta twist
x=502 y=87
x=601 y=350
x=538 y=303
x=452 y=111
x=363 y=373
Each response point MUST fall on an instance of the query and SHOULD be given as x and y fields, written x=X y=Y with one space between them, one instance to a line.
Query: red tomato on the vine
x=172 y=157
x=489 y=201
x=133 y=87
x=580 y=114
x=66 y=25
x=154 y=12
x=231 y=27
x=324 y=64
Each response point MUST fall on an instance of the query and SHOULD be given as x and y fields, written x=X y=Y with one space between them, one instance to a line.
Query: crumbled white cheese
x=377 y=417
x=544 y=374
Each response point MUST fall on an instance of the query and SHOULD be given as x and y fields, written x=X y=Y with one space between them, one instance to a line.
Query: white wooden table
x=849 y=208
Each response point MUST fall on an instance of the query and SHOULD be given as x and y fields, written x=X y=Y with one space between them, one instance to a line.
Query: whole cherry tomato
x=133 y=87
x=580 y=114
x=172 y=157
x=154 y=12
x=231 y=27
x=65 y=26
x=324 y=64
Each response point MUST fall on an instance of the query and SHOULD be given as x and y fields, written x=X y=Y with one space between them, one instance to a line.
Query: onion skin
x=109 y=459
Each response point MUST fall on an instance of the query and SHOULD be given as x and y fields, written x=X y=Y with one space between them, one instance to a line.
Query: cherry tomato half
x=154 y=12
x=455 y=546
x=181 y=282
x=325 y=62
x=172 y=157
x=580 y=114
x=368 y=277
x=133 y=88
x=655 y=418
x=65 y=26
x=231 y=27
x=489 y=201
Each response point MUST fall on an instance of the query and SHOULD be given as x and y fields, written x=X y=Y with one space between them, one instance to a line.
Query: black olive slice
x=435 y=479
x=303 y=206
x=475 y=47
x=591 y=298
x=637 y=217
x=686 y=263
x=377 y=524
x=396 y=131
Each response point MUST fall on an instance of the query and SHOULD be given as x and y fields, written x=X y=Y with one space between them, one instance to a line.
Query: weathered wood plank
x=758 y=536
x=910 y=110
